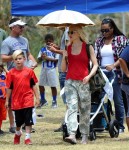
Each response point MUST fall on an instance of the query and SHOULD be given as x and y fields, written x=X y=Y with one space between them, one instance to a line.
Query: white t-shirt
x=107 y=55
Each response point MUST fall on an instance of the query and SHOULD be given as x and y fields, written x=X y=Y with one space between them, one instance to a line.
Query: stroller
x=101 y=111
x=102 y=117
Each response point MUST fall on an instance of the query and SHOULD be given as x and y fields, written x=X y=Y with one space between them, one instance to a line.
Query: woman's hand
x=110 y=67
x=86 y=79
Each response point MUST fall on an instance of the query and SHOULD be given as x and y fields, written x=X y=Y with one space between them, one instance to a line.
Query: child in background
x=3 y=110
x=48 y=76
x=21 y=83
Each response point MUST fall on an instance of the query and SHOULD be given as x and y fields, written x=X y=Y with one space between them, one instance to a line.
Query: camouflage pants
x=78 y=96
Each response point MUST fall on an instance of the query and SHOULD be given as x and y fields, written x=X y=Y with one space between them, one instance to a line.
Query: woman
x=108 y=47
x=77 y=83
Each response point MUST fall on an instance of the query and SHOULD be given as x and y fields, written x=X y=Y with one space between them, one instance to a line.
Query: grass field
x=45 y=139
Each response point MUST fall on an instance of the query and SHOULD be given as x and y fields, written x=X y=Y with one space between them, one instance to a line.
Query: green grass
x=45 y=139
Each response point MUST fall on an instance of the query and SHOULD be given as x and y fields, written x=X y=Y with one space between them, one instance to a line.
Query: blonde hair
x=17 y=53
x=80 y=31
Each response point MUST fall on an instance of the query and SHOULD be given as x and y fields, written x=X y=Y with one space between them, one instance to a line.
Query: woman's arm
x=124 y=66
x=94 y=63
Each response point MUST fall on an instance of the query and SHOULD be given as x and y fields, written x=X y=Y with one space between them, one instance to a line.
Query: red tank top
x=77 y=64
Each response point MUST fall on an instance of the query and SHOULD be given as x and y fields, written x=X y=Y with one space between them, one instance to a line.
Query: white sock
x=27 y=136
x=18 y=132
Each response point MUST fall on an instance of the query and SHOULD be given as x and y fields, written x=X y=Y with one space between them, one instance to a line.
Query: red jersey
x=21 y=83
x=77 y=64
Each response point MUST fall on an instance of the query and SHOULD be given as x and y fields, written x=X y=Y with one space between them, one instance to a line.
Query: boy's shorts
x=24 y=116
x=3 y=110
x=48 y=77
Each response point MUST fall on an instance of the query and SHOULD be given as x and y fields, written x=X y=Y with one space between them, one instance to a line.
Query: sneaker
x=12 y=129
x=60 y=129
x=43 y=103
x=1 y=132
x=54 y=105
x=28 y=142
x=71 y=140
x=32 y=130
x=121 y=130
x=17 y=139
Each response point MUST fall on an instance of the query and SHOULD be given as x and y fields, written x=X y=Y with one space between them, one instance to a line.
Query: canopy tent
x=43 y=7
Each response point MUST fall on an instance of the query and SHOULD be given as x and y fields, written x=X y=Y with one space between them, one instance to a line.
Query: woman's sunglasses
x=71 y=32
x=105 y=30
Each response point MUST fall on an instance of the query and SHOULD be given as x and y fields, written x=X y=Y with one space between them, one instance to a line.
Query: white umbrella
x=63 y=18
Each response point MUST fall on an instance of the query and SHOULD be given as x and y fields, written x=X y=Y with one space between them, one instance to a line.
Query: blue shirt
x=125 y=56
x=48 y=64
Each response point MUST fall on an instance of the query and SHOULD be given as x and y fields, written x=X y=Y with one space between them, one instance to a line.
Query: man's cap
x=16 y=53
x=17 y=22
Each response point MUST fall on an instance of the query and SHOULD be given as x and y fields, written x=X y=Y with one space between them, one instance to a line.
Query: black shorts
x=24 y=116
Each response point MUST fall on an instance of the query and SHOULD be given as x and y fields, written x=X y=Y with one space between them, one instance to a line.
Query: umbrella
x=63 y=18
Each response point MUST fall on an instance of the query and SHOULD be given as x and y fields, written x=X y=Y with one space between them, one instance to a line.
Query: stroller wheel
x=114 y=129
x=92 y=135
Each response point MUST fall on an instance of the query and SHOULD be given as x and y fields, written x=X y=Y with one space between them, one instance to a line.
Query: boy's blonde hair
x=17 y=53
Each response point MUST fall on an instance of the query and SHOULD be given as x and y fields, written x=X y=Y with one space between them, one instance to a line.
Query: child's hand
x=37 y=102
x=7 y=104
x=43 y=56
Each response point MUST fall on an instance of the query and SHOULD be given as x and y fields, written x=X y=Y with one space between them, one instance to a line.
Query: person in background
x=3 y=110
x=3 y=36
x=14 y=42
x=77 y=90
x=62 y=75
x=21 y=84
x=108 y=48
x=48 y=76
x=124 y=63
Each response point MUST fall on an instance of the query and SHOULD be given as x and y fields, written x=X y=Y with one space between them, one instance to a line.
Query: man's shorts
x=3 y=110
x=24 y=116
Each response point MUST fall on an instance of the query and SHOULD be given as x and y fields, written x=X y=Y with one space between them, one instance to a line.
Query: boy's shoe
x=17 y=139
x=28 y=142
x=12 y=129
x=43 y=103
x=54 y=105
x=1 y=132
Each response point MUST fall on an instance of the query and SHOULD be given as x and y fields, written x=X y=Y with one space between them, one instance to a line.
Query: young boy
x=3 y=110
x=21 y=83
x=48 y=76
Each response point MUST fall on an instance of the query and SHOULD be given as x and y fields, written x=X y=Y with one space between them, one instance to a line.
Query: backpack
x=97 y=81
